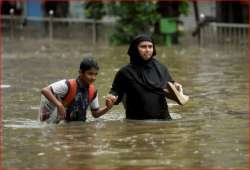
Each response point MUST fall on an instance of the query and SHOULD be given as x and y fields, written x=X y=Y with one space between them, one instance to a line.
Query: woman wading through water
x=142 y=83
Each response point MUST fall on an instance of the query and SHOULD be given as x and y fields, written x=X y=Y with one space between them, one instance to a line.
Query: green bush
x=133 y=19
x=94 y=10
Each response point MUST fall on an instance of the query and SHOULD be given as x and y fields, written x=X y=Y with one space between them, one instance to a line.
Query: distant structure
x=216 y=11
x=232 y=11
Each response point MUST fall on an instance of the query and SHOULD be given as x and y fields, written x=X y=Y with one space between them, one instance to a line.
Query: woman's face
x=145 y=49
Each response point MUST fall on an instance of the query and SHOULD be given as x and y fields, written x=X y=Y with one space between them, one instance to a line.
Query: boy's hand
x=61 y=111
x=110 y=100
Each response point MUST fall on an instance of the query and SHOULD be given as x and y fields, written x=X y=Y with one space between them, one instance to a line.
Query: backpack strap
x=72 y=89
x=91 y=93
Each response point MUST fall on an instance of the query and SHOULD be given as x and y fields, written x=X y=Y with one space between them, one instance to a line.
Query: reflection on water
x=213 y=130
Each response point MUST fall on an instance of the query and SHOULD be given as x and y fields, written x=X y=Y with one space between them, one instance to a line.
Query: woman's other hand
x=178 y=86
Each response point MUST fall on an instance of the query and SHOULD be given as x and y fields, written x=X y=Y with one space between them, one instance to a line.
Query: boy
x=69 y=99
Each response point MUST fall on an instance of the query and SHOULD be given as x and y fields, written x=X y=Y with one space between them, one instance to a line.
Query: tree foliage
x=94 y=10
x=133 y=19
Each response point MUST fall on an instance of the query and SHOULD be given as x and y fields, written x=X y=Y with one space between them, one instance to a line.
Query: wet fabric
x=149 y=73
x=142 y=82
x=77 y=110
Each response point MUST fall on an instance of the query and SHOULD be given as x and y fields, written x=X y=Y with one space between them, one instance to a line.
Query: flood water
x=212 y=133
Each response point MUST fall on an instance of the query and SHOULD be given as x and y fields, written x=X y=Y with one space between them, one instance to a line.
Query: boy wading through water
x=69 y=99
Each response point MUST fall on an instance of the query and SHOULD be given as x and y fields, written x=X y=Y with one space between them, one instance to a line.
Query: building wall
x=34 y=8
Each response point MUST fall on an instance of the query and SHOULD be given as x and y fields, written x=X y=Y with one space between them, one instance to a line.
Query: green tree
x=133 y=18
x=136 y=17
x=94 y=10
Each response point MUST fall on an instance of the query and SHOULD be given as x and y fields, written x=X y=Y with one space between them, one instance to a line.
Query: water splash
x=23 y=123
x=4 y=86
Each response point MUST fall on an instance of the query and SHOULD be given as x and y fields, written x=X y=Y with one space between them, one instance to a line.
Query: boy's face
x=88 y=76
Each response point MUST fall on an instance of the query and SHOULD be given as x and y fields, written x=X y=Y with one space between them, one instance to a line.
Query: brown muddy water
x=211 y=133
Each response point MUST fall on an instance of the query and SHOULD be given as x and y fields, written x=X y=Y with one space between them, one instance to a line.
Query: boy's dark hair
x=88 y=63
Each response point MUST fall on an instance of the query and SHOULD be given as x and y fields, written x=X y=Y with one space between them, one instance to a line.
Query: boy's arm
x=47 y=92
x=101 y=111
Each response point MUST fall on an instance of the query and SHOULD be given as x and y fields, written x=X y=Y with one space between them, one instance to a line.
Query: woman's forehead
x=145 y=43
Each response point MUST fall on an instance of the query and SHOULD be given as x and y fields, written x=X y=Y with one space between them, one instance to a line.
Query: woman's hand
x=178 y=86
x=110 y=100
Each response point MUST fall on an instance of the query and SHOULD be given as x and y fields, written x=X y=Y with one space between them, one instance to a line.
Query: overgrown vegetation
x=94 y=10
x=134 y=18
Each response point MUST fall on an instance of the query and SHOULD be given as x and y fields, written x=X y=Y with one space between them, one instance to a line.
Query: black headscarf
x=133 y=52
x=149 y=73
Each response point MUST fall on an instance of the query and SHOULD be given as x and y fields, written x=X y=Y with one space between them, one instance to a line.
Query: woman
x=142 y=82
